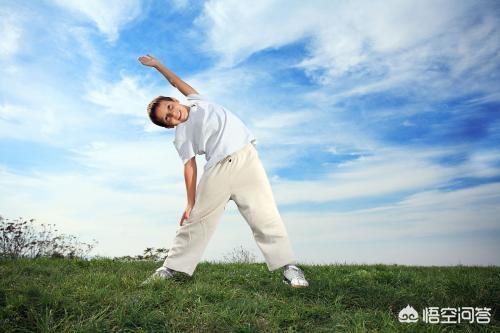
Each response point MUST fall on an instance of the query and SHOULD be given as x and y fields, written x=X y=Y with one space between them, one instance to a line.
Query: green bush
x=21 y=238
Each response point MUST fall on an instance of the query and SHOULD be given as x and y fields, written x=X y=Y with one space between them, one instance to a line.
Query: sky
x=377 y=122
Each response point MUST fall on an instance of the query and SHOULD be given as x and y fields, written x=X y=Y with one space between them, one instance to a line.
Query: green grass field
x=102 y=295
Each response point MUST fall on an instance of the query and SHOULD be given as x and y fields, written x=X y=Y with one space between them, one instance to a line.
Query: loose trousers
x=242 y=178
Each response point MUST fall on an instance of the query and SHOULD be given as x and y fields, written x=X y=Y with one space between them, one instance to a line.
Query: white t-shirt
x=210 y=129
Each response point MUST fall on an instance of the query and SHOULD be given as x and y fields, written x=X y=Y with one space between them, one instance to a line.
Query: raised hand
x=148 y=60
x=183 y=87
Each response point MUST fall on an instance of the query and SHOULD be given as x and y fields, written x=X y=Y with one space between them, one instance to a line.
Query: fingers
x=185 y=216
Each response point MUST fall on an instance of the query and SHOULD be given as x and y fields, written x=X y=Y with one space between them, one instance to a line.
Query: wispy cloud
x=361 y=47
x=122 y=97
x=454 y=221
x=388 y=171
x=108 y=16
x=11 y=33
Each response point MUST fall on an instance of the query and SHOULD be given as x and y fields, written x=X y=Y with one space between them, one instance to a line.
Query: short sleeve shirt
x=212 y=130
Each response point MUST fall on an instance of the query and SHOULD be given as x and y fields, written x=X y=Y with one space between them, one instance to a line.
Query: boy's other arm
x=190 y=174
x=174 y=80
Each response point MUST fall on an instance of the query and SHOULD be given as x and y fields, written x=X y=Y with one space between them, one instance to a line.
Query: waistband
x=248 y=146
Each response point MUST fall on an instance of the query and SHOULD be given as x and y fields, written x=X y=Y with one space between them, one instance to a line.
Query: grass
x=102 y=295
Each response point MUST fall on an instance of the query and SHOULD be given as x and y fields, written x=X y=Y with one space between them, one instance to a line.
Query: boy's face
x=171 y=113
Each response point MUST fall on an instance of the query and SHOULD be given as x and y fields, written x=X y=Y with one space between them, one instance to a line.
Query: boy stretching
x=233 y=172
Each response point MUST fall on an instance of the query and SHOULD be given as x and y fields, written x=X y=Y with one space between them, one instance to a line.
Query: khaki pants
x=240 y=177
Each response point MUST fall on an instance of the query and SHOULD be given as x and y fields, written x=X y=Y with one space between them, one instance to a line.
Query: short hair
x=152 y=110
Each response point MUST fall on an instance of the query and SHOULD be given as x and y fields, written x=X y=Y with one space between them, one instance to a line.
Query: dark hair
x=152 y=110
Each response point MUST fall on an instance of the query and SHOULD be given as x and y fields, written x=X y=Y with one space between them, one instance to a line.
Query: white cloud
x=40 y=124
x=283 y=119
x=372 y=47
x=387 y=171
x=341 y=31
x=108 y=16
x=17 y=122
x=122 y=97
x=364 y=29
x=412 y=227
x=148 y=164
x=483 y=163
x=237 y=30
x=41 y=95
x=11 y=33
x=40 y=106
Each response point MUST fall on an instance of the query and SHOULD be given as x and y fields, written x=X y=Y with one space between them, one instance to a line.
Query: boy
x=233 y=172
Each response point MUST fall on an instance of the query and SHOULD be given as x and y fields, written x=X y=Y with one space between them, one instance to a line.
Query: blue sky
x=378 y=126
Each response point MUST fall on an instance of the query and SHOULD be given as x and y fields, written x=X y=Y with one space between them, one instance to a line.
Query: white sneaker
x=293 y=276
x=161 y=273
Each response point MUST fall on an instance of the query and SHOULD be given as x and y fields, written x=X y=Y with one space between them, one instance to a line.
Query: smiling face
x=171 y=113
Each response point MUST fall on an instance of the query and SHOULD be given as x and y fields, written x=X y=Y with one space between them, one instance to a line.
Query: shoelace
x=297 y=272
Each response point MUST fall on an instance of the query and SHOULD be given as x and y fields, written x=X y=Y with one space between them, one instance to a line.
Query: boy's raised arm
x=183 y=87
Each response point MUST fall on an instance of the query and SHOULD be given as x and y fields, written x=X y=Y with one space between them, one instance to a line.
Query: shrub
x=20 y=238
x=149 y=254
x=239 y=255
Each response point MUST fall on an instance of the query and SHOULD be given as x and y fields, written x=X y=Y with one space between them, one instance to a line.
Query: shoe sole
x=154 y=279
x=285 y=281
